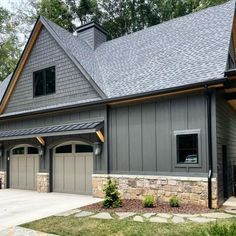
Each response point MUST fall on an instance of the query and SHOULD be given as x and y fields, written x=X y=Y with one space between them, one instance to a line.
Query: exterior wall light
x=97 y=148
x=41 y=151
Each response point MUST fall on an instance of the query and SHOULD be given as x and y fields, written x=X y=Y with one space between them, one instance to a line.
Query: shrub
x=149 y=201
x=174 y=201
x=112 y=196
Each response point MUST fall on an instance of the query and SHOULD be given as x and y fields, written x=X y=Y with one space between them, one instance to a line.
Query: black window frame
x=188 y=132
x=14 y=150
x=60 y=149
x=45 y=84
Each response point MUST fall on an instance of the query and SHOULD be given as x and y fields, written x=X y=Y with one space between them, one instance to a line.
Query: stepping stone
x=230 y=210
x=148 y=215
x=84 y=214
x=158 y=220
x=68 y=213
x=102 y=215
x=186 y=215
x=124 y=215
x=138 y=218
x=177 y=220
x=201 y=219
x=217 y=215
x=164 y=215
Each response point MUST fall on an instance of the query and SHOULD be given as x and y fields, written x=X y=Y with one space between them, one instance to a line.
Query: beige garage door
x=24 y=165
x=73 y=168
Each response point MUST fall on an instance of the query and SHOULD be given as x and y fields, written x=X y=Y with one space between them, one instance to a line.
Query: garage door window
x=33 y=150
x=83 y=148
x=18 y=151
x=64 y=149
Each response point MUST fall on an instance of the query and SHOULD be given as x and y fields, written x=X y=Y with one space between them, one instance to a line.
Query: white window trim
x=189 y=131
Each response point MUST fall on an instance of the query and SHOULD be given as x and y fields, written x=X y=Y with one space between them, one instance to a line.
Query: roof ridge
x=166 y=22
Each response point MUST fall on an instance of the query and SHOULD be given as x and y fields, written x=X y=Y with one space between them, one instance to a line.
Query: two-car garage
x=72 y=168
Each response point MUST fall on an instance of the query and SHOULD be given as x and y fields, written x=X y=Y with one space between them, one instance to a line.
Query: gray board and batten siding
x=142 y=136
x=71 y=85
x=225 y=135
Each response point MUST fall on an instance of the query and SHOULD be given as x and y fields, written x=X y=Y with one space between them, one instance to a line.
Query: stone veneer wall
x=43 y=182
x=192 y=190
x=3 y=177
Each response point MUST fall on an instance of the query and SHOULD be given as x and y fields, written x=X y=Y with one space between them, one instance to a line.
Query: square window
x=187 y=148
x=44 y=82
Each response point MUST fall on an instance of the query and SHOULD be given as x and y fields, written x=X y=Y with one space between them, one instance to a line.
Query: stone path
x=155 y=217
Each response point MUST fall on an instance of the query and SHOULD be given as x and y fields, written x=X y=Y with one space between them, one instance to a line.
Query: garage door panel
x=80 y=175
x=58 y=170
x=72 y=172
x=69 y=173
x=31 y=169
x=14 y=172
x=89 y=172
x=23 y=171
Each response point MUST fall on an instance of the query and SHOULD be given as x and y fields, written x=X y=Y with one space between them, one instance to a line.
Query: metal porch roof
x=66 y=129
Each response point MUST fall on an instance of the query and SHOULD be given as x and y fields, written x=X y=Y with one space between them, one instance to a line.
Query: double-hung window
x=44 y=82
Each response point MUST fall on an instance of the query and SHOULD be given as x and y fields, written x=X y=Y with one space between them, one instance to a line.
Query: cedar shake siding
x=71 y=86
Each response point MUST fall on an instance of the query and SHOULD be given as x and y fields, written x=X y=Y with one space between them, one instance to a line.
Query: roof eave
x=190 y=88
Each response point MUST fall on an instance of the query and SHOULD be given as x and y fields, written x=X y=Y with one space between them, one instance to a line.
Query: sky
x=7 y=3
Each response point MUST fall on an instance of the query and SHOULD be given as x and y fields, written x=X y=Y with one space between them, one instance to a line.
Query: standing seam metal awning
x=66 y=129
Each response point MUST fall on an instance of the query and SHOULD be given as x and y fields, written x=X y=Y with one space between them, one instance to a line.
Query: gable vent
x=92 y=33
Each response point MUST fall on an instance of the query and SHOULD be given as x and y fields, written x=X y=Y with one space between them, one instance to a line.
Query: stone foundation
x=190 y=190
x=3 y=178
x=43 y=182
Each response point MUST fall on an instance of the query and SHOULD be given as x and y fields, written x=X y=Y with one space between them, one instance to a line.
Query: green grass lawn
x=85 y=226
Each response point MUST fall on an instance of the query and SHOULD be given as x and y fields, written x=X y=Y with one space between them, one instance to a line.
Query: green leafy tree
x=57 y=11
x=9 y=44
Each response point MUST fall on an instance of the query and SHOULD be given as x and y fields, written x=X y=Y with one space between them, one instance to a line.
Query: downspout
x=107 y=140
x=210 y=160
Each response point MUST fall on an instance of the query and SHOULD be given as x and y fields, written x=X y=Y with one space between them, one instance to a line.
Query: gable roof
x=185 y=50
x=188 y=50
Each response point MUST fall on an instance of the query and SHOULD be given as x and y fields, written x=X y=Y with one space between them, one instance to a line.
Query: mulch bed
x=132 y=205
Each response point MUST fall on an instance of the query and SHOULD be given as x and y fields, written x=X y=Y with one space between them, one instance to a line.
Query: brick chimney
x=92 y=33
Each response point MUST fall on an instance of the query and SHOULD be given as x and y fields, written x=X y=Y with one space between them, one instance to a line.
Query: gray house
x=154 y=110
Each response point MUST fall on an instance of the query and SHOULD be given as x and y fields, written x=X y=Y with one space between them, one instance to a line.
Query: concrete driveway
x=21 y=206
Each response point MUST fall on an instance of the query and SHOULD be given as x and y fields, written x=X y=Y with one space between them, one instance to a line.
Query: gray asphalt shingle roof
x=182 y=51
x=3 y=86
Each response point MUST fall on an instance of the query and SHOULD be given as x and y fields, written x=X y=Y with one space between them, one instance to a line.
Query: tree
x=57 y=11
x=84 y=10
x=9 y=44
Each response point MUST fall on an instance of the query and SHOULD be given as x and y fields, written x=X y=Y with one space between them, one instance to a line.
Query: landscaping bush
x=174 y=201
x=149 y=201
x=222 y=230
x=112 y=196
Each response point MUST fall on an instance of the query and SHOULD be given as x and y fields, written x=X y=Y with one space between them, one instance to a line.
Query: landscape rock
x=158 y=220
x=177 y=220
x=148 y=215
x=138 y=218
x=124 y=215
x=201 y=219
x=102 y=215
x=84 y=214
